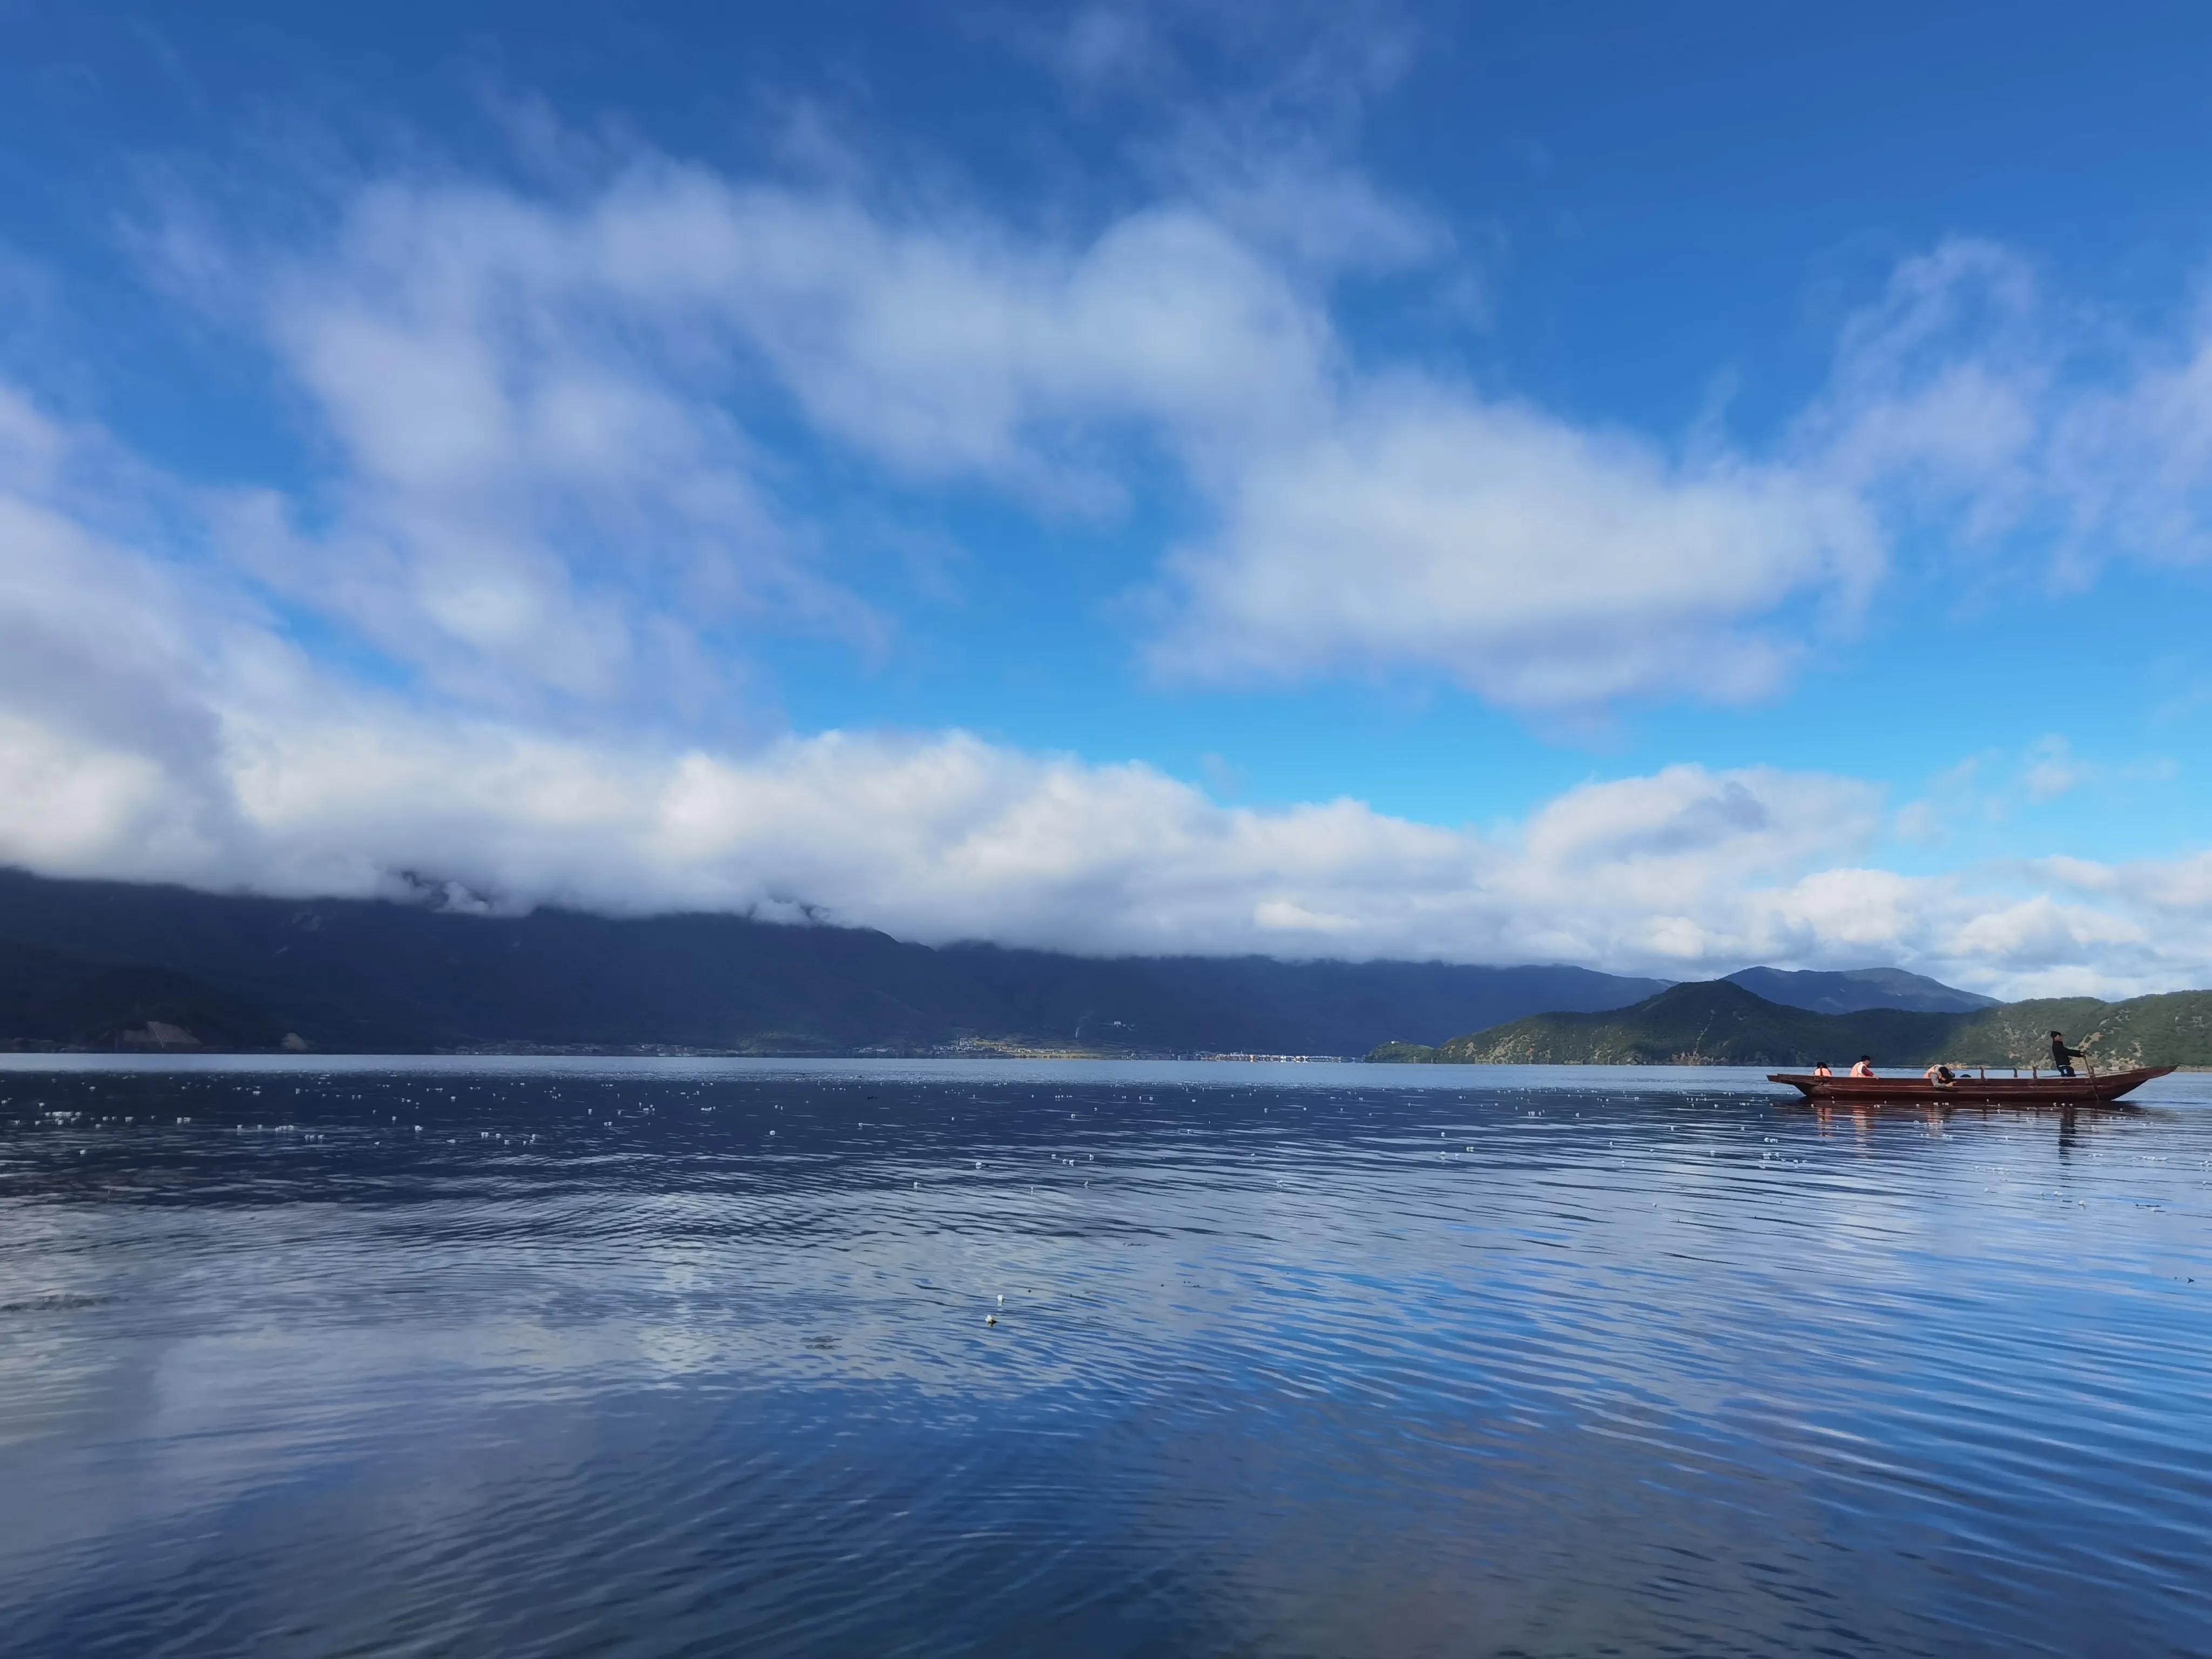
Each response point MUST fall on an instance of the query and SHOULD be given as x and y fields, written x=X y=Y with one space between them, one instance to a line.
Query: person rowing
x=1865 y=1067
x=2062 y=1057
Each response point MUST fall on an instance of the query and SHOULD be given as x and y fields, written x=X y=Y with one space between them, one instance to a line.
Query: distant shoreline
x=9 y=1051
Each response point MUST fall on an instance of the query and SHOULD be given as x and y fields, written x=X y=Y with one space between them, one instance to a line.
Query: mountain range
x=100 y=965
x=97 y=964
x=1719 y=1023
x=1855 y=988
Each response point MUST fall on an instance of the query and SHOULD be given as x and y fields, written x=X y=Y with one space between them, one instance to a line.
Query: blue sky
x=1662 y=486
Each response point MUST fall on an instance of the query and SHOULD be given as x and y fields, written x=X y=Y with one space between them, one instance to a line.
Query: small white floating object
x=990 y=1319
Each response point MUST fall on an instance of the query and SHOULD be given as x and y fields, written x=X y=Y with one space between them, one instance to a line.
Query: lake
x=688 y=1357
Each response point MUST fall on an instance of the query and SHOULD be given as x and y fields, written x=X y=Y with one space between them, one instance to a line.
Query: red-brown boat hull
x=2045 y=1091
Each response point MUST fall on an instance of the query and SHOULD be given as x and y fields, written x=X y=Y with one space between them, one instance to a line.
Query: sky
x=1658 y=487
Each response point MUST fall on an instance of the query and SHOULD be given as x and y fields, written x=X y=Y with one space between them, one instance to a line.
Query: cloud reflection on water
x=1664 y=1358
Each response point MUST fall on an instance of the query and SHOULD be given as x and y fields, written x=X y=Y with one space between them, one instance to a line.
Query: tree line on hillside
x=1718 y=1024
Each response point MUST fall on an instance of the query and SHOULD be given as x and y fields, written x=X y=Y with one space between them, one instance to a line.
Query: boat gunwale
x=2093 y=1089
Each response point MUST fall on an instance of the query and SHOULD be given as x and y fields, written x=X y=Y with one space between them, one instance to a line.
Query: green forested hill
x=1719 y=1023
x=2172 y=1030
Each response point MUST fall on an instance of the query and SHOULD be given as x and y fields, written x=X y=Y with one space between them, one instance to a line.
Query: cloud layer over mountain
x=158 y=723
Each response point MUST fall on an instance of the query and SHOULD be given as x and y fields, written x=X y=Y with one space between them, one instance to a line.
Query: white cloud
x=157 y=727
x=2134 y=460
x=2179 y=887
x=1938 y=391
x=1285 y=189
x=1408 y=522
x=543 y=482
x=1965 y=400
x=542 y=493
x=2031 y=937
x=2053 y=769
x=536 y=492
x=1539 y=565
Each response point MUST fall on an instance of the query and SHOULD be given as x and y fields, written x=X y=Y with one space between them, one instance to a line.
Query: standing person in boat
x=1865 y=1067
x=2062 y=1057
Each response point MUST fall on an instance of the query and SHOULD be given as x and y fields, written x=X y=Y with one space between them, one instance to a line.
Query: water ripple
x=685 y=1358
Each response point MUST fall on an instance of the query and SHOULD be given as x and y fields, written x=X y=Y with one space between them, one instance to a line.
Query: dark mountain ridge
x=87 y=963
x=1855 y=988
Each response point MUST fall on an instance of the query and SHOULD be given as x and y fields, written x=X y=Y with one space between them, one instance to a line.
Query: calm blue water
x=613 y=1358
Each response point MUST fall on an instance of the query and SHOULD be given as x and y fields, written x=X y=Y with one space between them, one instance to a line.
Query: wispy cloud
x=557 y=423
x=1990 y=786
x=545 y=476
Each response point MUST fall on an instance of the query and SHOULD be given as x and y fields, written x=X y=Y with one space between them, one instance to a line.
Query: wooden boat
x=1978 y=1086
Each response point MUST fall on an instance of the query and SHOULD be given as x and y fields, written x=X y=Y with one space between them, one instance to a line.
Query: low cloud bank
x=158 y=722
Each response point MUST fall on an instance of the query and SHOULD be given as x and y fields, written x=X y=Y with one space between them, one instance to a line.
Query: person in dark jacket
x=2062 y=1057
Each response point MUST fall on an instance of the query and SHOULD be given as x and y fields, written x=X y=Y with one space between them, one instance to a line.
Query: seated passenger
x=1821 y=1070
x=1865 y=1067
x=1942 y=1076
